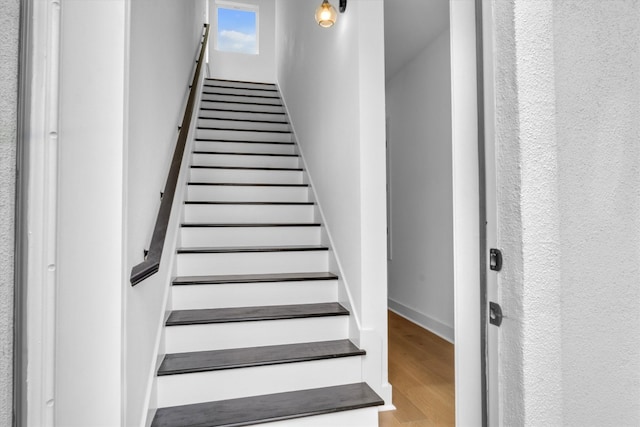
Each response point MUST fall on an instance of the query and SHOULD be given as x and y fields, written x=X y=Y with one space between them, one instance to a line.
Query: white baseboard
x=429 y=323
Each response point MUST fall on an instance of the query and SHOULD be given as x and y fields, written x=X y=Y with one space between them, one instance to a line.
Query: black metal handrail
x=151 y=264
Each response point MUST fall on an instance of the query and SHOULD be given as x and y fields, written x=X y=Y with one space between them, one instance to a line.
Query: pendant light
x=326 y=14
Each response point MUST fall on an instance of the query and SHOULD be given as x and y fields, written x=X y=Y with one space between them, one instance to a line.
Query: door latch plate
x=495 y=314
x=495 y=259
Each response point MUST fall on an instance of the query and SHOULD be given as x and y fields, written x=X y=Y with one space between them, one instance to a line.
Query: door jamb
x=21 y=242
x=469 y=211
x=482 y=205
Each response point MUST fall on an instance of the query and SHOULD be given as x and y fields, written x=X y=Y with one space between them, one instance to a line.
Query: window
x=237 y=28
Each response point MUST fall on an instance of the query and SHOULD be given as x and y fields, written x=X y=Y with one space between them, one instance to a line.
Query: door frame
x=469 y=45
x=36 y=215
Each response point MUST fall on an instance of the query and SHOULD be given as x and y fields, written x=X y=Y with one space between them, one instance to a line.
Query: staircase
x=254 y=332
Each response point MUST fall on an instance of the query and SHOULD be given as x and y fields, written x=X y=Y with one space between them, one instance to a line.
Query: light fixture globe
x=326 y=14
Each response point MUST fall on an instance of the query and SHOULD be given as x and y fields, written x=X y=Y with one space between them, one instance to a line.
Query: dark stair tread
x=244 y=142
x=220 y=101
x=240 y=94
x=245 y=154
x=249 y=225
x=236 y=249
x=245 y=130
x=233 y=110
x=212 y=202
x=252 y=314
x=215 y=360
x=253 y=278
x=268 y=408
x=231 y=119
x=211 y=79
x=246 y=184
x=246 y=168
x=240 y=88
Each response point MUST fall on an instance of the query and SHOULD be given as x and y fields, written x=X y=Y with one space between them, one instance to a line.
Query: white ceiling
x=410 y=25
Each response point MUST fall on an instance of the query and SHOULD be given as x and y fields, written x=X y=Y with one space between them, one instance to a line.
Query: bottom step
x=268 y=408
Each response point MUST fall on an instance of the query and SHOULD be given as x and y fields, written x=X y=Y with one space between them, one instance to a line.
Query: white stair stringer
x=246 y=192
x=231 y=175
x=253 y=274
x=249 y=124
x=198 y=296
x=204 y=235
x=253 y=160
x=208 y=104
x=218 y=336
x=213 y=113
x=196 y=387
x=205 y=264
x=223 y=212
x=220 y=146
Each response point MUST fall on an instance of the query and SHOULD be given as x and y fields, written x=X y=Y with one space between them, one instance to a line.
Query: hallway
x=421 y=370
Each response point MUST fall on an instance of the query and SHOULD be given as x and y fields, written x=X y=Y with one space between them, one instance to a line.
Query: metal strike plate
x=495 y=259
x=495 y=314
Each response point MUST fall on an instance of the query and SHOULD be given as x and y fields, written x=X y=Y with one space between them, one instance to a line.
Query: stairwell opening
x=420 y=211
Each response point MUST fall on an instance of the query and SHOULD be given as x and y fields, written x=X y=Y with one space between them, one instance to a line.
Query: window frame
x=244 y=7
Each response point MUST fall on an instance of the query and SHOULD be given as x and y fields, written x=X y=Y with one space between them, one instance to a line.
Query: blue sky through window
x=237 y=31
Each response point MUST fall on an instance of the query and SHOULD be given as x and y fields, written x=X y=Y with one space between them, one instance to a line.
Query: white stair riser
x=247 y=125
x=231 y=193
x=199 y=264
x=246 y=175
x=245 y=161
x=221 y=114
x=241 y=107
x=241 y=99
x=244 y=147
x=191 y=297
x=249 y=236
x=249 y=213
x=242 y=135
x=218 y=336
x=238 y=84
x=240 y=91
x=199 y=387
x=366 y=417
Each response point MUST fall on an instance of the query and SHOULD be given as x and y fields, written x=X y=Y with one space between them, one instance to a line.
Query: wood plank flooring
x=421 y=371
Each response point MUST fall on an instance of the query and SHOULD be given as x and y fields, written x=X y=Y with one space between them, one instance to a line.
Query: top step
x=239 y=84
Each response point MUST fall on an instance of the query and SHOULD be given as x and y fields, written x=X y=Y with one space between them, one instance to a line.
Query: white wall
x=568 y=85
x=316 y=91
x=238 y=66
x=9 y=32
x=88 y=350
x=164 y=43
x=332 y=82
x=419 y=114
x=121 y=96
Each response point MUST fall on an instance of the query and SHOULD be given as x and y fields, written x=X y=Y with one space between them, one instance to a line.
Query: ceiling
x=410 y=25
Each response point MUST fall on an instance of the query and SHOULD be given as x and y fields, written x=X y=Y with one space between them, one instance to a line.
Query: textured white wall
x=568 y=99
x=164 y=41
x=237 y=66
x=597 y=74
x=9 y=32
x=419 y=113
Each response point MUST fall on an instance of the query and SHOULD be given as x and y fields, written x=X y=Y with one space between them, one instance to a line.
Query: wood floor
x=421 y=371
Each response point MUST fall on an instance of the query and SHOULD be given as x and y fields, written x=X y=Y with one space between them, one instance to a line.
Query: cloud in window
x=237 y=31
x=237 y=41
